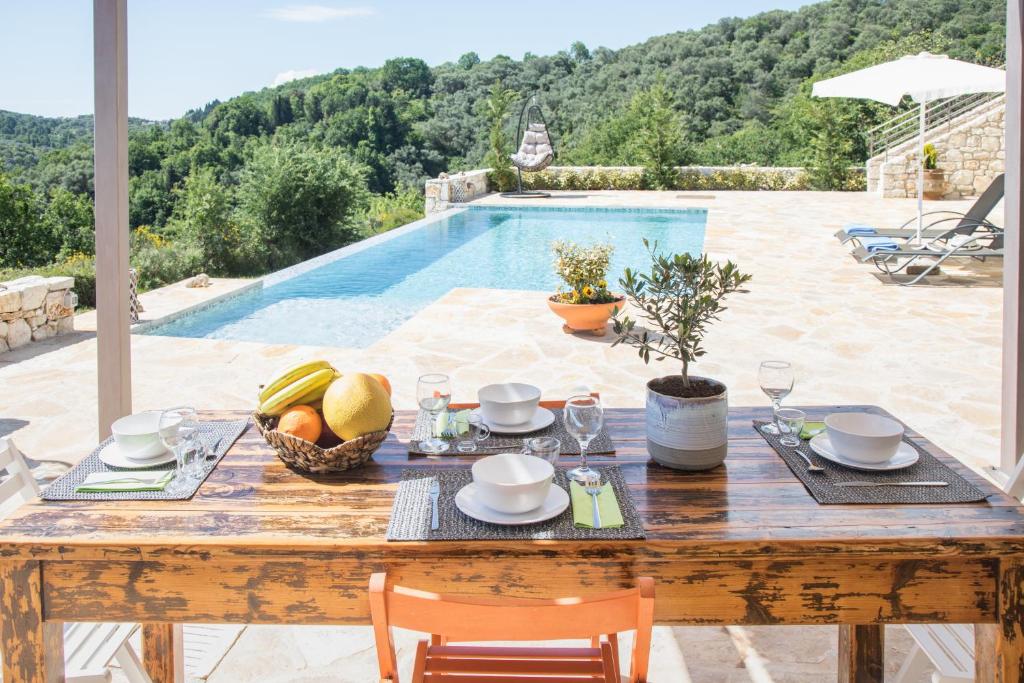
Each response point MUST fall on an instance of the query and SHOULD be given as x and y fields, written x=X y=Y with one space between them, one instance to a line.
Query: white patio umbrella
x=923 y=77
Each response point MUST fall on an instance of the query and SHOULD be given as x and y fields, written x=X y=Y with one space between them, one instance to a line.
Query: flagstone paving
x=929 y=354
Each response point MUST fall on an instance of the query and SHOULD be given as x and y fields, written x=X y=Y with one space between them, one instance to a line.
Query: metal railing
x=937 y=114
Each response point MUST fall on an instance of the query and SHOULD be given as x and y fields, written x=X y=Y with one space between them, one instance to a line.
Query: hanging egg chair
x=535 y=149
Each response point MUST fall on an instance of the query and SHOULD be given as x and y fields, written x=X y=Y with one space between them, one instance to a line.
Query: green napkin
x=459 y=420
x=583 y=507
x=107 y=482
x=812 y=429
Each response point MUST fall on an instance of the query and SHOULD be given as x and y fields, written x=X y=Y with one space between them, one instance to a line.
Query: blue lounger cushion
x=859 y=230
x=877 y=244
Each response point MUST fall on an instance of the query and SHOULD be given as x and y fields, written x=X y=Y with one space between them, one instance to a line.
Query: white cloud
x=316 y=13
x=293 y=74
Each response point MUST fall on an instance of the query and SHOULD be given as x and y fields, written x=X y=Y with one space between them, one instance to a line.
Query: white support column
x=113 y=347
x=1013 y=320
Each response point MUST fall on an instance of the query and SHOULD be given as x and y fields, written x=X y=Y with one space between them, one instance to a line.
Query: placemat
x=217 y=436
x=410 y=514
x=822 y=484
x=601 y=445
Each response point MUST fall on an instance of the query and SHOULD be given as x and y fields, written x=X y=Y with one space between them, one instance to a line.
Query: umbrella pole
x=920 y=173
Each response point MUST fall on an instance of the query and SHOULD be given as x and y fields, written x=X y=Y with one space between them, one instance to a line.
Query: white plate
x=541 y=419
x=906 y=455
x=112 y=455
x=468 y=501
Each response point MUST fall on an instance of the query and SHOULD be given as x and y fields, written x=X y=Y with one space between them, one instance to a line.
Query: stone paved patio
x=928 y=354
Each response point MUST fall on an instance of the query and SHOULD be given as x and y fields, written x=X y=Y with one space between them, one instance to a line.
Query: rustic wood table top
x=744 y=543
x=752 y=505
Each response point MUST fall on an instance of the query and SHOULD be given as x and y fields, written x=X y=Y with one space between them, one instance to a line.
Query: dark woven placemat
x=927 y=468
x=601 y=445
x=215 y=434
x=410 y=514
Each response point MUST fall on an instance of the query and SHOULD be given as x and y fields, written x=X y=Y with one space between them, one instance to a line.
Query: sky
x=185 y=53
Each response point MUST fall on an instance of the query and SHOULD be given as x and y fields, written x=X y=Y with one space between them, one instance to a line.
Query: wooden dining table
x=743 y=544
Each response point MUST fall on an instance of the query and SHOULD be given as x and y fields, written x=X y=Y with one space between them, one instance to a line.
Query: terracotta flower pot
x=934 y=184
x=591 y=318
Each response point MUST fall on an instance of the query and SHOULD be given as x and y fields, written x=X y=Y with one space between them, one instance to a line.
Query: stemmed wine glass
x=433 y=393
x=776 y=379
x=179 y=431
x=583 y=420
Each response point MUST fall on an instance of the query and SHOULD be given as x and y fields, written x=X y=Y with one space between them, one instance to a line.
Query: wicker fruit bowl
x=308 y=457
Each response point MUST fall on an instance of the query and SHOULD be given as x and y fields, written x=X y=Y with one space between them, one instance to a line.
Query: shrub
x=584 y=270
x=495 y=109
x=160 y=262
x=82 y=267
x=393 y=210
x=738 y=178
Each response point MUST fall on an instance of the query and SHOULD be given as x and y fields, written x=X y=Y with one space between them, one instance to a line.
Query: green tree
x=495 y=110
x=830 y=147
x=23 y=241
x=296 y=202
x=657 y=140
x=204 y=216
x=69 y=218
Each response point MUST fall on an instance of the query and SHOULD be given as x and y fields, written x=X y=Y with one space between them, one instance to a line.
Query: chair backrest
x=481 y=619
x=982 y=207
x=19 y=484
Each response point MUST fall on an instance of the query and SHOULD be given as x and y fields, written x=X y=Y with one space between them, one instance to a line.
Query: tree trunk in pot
x=688 y=433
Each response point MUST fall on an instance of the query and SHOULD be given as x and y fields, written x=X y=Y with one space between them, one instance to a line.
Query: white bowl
x=512 y=482
x=138 y=435
x=864 y=437
x=508 y=404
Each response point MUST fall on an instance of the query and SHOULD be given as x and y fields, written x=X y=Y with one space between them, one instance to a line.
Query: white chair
x=88 y=648
x=947 y=650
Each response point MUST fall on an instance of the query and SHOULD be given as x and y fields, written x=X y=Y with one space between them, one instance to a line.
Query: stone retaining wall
x=454 y=188
x=972 y=152
x=34 y=308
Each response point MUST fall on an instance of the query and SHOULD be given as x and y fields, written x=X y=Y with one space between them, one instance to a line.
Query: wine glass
x=433 y=393
x=776 y=380
x=179 y=429
x=583 y=420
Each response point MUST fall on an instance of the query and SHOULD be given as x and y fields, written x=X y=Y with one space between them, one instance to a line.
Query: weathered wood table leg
x=1003 y=645
x=861 y=654
x=33 y=650
x=163 y=652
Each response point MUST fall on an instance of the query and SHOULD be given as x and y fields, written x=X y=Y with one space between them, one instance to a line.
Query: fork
x=592 y=485
x=861 y=484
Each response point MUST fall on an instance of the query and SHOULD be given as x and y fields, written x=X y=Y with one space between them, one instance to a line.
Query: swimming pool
x=361 y=293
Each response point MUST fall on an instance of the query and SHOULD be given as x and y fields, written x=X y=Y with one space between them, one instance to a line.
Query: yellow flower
x=602 y=284
x=588 y=292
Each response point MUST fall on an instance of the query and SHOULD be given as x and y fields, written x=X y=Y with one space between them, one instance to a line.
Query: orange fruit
x=383 y=380
x=301 y=421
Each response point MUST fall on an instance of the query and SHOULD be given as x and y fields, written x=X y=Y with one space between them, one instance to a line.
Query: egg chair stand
x=535 y=150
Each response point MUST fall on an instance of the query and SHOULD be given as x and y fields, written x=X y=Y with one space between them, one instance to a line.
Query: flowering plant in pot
x=585 y=303
x=934 y=177
x=687 y=416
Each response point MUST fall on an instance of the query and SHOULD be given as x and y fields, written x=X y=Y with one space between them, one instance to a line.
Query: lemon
x=356 y=404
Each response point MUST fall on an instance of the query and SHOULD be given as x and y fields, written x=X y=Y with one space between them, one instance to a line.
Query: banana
x=288 y=375
x=304 y=390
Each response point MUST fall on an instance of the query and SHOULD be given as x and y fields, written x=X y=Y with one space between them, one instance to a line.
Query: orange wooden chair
x=461 y=619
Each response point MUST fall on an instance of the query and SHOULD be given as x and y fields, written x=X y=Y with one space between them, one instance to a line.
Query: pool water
x=360 y=297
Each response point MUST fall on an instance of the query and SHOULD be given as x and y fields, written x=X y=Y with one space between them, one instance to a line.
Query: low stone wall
x=34 y=308
x=454 y=188
x=972 y=152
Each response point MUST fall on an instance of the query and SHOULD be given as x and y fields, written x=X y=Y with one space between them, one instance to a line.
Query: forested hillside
x=236 y=186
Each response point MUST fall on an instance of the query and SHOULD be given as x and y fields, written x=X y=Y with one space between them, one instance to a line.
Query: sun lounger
x=938 y=224
x=979 y=246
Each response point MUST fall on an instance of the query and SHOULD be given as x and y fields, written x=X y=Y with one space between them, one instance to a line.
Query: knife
x=435 y=492
x=853 y=484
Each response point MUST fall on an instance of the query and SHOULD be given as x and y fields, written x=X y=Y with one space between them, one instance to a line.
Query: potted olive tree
x=687 y=416
x=934 y=177
x=585 y=304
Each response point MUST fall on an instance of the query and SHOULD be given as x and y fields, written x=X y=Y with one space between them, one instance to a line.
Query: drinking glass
x=791 y=423
x=179 y=429
x=546 y=447
x=583 y=419
x=433 y=393
x=477 y=431
x=776 y=380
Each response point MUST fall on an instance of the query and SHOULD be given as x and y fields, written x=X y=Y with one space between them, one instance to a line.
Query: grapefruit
x=383 y=380
x=356 y=404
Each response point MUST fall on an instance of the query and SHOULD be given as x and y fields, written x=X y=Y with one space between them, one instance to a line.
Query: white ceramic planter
x=688 y=433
